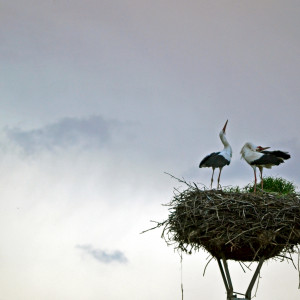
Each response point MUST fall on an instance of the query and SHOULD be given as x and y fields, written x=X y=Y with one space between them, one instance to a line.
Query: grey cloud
x=85 y=132
x=103 y=256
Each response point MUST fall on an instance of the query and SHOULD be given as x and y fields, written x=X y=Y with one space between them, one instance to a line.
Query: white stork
x=218 y=159
x=256 y=156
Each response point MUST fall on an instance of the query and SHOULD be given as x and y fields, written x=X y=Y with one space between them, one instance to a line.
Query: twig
x=207 y=265
x=242 y=267
x=257 y=284
x=299 y=269
x=251 y=229
x=181 y=275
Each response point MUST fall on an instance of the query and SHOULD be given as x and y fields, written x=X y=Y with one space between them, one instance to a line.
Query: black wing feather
x=278 y=153
x=214 y=160
x=267 y=159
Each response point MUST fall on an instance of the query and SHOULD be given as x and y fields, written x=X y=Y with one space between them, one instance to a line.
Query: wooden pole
x=228 y=283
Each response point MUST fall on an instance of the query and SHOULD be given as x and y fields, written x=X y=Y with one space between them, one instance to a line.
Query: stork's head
x=224 y=128
x=223 y=131
x=260 y=148
x=251 y=147
x=222 y=136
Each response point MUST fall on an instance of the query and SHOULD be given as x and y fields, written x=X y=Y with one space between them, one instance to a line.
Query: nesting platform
x=233 y=225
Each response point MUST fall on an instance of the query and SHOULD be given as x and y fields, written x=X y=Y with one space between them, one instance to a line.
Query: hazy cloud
x=90 y=131
x=103 y=256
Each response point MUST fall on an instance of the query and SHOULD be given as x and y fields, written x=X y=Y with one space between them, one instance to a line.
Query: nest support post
x=231 y=295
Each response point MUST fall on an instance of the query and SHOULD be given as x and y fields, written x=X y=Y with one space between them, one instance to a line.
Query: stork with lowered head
x=258 y=157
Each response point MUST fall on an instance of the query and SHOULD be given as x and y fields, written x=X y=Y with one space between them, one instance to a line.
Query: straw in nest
x=233 y=225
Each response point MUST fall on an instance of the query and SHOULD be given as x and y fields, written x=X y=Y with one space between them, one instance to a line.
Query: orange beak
x=224 y=128
x=260 y=148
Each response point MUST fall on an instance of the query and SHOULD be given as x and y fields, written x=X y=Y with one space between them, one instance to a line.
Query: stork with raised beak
x=218 y=159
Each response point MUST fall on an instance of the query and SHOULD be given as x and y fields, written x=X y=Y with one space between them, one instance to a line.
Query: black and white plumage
x=257 y=156
x=218 y=159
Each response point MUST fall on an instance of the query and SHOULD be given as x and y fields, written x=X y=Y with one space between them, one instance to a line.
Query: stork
x=218 y=159
x=257 y=156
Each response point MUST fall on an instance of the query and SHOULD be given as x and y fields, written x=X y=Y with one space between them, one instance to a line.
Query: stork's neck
x=224 y=140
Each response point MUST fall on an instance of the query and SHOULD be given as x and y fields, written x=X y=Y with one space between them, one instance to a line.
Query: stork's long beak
x=260 y=148
x=224 y=128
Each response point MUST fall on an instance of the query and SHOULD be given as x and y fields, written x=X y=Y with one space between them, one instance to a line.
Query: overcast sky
x=97 y=100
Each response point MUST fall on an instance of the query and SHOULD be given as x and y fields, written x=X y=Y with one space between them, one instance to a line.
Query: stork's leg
x=254 y=180
x=219 y=178
x=261 y=178
x=212 y=178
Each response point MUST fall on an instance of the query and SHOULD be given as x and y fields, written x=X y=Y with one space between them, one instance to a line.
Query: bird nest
x=233 y=225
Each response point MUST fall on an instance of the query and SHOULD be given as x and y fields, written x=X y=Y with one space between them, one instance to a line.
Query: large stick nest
x=234 y=225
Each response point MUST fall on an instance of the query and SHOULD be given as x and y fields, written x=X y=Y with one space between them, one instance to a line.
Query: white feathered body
x=249 y=153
